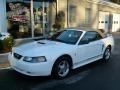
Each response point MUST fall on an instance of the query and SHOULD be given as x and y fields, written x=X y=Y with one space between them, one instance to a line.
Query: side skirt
x=87 y=61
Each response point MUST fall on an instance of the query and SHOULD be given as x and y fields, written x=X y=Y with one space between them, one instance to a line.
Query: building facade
x=35 y=18
x=98 y=14
x=25 y=18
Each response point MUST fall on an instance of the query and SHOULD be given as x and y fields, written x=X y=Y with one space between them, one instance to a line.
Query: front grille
x=17 y=56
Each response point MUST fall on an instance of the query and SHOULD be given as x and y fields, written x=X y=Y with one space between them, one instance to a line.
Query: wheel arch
x=104 y=56
x=64 y=55
x=109 y=46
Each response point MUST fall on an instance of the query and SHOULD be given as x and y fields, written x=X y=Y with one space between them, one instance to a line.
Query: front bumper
x=30 y=69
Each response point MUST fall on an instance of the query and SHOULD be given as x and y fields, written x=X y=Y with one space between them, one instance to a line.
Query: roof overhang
x=42 y=0
x=110 y=4
x=106 y=3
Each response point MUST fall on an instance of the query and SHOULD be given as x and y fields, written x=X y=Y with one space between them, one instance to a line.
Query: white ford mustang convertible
x=64 y=51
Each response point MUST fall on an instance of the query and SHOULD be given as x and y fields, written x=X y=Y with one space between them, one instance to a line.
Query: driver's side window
x=89 y=37
x=84 y=40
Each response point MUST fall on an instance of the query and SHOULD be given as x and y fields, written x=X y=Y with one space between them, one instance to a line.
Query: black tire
x=107 y=54
x=61 y=68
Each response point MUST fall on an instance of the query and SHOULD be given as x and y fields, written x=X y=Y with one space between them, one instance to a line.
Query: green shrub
x=59 y=20
x=7 y=44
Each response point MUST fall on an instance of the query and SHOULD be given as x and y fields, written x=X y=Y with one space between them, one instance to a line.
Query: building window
x=87 y=16
x=38 y=18
x=72 y=13
x=19 y=18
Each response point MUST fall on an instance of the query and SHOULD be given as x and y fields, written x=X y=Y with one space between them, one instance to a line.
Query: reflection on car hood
x=41 y=47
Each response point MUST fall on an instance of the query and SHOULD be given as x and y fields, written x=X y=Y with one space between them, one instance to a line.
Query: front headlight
x=35 y=59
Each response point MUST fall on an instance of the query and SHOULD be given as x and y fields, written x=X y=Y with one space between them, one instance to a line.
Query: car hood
x=41 y=47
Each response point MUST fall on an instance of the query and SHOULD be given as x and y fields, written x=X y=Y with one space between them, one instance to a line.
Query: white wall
x=3 y=24
x=104 y=21
x=115 y=22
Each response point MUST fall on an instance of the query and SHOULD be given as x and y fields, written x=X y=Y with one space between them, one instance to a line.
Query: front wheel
x=61 y=68
x=107 y=54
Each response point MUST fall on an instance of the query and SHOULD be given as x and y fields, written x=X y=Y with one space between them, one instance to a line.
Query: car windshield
x=67 y=36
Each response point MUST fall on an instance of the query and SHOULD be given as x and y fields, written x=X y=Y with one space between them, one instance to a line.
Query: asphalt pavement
x=95 y=76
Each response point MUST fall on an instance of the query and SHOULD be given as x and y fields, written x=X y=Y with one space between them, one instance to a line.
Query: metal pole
x=56 y=7
x=3 y=26
x=32 y=19
x=43 y=24
x=67 y=13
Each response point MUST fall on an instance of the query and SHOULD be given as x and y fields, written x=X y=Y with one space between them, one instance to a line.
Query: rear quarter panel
x=108 y=41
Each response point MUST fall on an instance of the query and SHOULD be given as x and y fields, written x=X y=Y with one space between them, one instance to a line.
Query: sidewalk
x=4 y=61
x=4 y=57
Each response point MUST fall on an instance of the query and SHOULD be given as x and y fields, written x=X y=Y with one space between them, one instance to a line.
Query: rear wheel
x=107 y=54
x=61 y=68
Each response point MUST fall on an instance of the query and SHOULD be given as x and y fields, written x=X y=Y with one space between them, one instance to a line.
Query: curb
x=4 y=54
x=4 y=64
x=6 y=68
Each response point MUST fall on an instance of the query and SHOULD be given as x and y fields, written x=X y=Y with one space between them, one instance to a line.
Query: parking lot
x=95 y=76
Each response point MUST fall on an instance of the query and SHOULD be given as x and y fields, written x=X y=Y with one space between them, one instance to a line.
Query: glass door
x=40 y=11
x=18 y=18
x=27 y=18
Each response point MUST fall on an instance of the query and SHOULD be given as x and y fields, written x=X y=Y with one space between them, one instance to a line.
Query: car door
x=90 y=46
